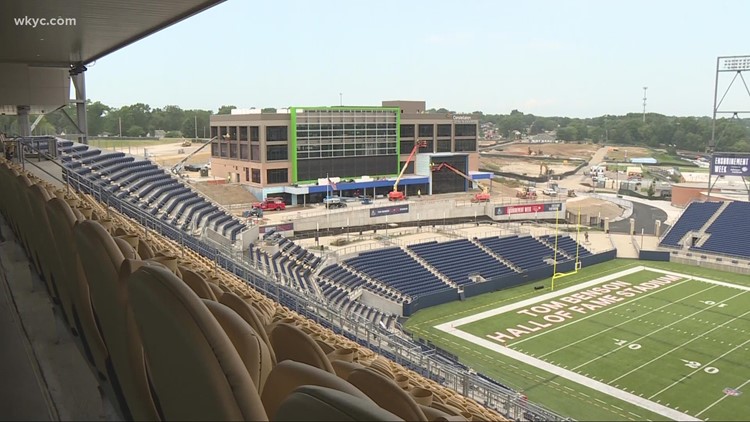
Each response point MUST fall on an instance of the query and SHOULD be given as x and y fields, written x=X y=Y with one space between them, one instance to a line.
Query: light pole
x=341 y=99
x=644 y=103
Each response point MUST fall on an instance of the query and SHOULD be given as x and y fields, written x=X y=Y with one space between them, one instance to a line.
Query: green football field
x=623 y=340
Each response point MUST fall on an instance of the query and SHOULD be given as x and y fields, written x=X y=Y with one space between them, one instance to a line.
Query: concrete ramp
x=624 y=245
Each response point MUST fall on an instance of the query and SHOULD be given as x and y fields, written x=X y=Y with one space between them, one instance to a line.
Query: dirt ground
x=593 y=207
x=562 y=150
x=530 y=167
x=171 y=154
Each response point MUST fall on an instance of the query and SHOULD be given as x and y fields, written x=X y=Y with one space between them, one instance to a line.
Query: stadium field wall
x=503 y=282
x=653 y=255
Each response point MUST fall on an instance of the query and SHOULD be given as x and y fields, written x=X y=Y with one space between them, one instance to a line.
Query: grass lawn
x=664 y=345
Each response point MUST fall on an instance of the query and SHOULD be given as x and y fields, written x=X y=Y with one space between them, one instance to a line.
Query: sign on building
x=395 y=209
x=726 y=164
x=527 y=208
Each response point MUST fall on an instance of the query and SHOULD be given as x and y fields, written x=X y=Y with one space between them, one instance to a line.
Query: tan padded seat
x=144 y=250
x=195 y=369
x=250 y=315
x=251 y=348
x=126 y=248
x=108 y=270
x=344 y=368
x=289 y=375
x=47 y=256
x=315 y=403
x=386 y=393
x=198 y=283
x=76 y=300
x=290 y=342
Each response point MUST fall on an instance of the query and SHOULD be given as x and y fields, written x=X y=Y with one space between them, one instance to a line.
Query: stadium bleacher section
x=142 y=183
x=715 y=227
x=458 y=259
x=693 y=218
x=728 y=233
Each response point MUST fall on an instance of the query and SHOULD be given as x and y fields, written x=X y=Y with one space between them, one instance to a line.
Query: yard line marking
x=698 y=370
x=659 y=329
x=570 y=375
x=722 y=398
x=682 y=345
x=622 y=323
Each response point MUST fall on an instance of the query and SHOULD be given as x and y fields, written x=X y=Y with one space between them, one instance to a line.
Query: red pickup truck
x=271 y=204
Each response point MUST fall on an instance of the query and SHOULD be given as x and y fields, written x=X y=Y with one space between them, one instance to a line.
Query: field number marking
x=712 y=303
x=695 y=365
x=631 y=346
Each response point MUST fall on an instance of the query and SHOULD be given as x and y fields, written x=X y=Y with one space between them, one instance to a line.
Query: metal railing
x=394 y=346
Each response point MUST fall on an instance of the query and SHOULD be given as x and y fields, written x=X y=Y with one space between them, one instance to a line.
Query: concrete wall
x=418 y=211
x=735 y=265
x=379 y=302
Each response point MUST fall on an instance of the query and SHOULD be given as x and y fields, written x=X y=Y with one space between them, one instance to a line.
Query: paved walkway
x=43 y=374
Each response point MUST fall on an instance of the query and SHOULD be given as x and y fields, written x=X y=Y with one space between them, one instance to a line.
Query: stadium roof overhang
x=82 y=31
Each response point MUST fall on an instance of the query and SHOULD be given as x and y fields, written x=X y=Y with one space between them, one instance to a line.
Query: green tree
x=189 y=123
x=568 y=133
x=226 y=109
x=96 y=117
x=135 y=131
x=651 y=189
x=268 y=110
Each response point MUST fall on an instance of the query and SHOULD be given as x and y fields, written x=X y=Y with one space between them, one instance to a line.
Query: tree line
x=128 y=121
x=683 y=133
x=659 y=131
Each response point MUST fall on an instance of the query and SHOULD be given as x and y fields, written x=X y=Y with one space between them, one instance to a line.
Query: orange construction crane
x=397 y=195
x=483 y=196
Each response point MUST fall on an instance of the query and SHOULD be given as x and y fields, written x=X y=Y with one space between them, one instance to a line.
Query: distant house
x=159 y=133
x=543 y=138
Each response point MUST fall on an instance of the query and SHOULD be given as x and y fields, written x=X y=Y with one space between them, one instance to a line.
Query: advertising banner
x=730 y=164
x=394 y=209
x=527 y=208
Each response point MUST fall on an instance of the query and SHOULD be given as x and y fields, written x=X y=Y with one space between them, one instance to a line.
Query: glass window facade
x=277 y=153
x=254 y=134
x=407 y=131
x=426 y=131
x=256 y=175
x=276 y=133
x=466 y=145
x=444 y=145
x=466 y=130
x=277 y=176
x=345 y=133
x=444 y=130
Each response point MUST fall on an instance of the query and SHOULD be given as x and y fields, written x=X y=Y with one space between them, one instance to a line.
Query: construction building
x=304 y=154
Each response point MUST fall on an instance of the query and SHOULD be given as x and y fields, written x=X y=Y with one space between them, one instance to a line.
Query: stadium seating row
x=215 y=349
x=142 y=183
x=725 y=235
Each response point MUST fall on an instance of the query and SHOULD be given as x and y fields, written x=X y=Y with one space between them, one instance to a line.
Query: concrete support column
x=657 y=229
x=22 y=112
x=606 y=224
x=79 y=83
x=632 y=226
